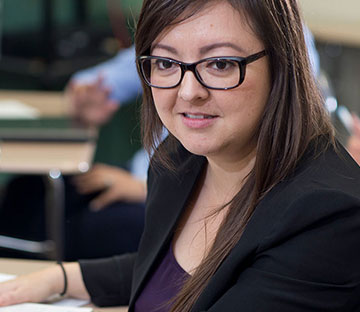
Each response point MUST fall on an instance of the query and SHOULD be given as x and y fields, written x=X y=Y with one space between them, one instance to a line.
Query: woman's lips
x=198 y=120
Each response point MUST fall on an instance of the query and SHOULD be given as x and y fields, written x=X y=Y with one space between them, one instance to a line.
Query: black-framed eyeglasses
x=217 y=73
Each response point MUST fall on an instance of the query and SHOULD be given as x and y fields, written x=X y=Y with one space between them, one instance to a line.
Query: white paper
x=13 y=109
x=70 y=302
x=37 y=307
x=6 y=277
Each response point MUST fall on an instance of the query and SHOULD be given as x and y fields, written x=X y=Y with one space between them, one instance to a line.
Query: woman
x=250 y=207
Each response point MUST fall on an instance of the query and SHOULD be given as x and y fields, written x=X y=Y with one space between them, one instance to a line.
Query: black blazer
x=299 y=252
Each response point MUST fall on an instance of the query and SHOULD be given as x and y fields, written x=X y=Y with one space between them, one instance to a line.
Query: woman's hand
x=41 y=285
x=34 y=287
x=116 y=184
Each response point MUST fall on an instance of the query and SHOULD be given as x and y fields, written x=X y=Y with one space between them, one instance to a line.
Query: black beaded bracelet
x=65 y=279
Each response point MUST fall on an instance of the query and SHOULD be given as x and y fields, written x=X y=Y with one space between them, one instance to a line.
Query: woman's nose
x=191 y=89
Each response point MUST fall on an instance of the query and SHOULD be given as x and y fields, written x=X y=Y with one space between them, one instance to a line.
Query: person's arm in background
x=94 y=94
x=114 y=184
x=353 y=144
x=313 y=53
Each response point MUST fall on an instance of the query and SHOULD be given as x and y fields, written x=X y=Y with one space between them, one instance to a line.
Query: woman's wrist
x=64 y=291
x=55 y=279
x=75 y=284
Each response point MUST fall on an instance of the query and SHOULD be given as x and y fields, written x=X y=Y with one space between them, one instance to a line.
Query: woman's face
x=215 y=123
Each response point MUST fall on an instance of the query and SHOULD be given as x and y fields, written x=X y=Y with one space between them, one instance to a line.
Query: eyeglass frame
x=241 y=61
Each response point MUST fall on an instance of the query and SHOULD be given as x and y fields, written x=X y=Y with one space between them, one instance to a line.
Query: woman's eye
x=221 y=65
x=164 y=64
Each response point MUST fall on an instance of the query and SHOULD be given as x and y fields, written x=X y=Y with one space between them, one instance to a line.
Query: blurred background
x=42 y=44
x=336 y=27
x=44 y=41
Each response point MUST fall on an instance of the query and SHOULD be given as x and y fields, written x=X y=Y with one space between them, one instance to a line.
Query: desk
x=49 y=104
x=42 y=158
x=49 y=151
x=17 y=266
x=36 y=151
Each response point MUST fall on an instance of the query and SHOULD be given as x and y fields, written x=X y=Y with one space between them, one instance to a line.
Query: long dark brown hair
x=293 y=118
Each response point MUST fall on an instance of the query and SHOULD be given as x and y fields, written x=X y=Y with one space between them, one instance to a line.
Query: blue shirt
x=119 y=74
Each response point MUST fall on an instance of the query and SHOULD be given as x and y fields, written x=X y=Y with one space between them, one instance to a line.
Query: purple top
x=163 y=285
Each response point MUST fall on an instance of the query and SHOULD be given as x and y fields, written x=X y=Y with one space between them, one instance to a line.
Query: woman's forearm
x=41 y=285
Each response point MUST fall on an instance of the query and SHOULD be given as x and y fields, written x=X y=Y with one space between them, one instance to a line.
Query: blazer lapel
x=165 y=204
x=242 y=254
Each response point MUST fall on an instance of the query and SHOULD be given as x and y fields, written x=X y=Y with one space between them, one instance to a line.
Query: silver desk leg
x=55 y=213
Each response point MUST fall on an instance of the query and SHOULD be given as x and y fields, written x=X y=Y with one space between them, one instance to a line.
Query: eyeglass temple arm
x=254 y=57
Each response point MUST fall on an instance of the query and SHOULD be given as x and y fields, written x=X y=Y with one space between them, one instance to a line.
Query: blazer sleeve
x=309 y=260
x=108 y=280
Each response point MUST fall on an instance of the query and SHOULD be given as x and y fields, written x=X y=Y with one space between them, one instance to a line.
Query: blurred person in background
x=105 y=206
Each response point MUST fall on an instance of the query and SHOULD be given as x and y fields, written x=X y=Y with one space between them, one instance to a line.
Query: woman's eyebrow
x=203 y=50
x=164 y=47
x=213 y=46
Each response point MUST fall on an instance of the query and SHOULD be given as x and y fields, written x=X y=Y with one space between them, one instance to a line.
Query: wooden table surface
x=41 y=157
x=20 y=266
x=49 y=104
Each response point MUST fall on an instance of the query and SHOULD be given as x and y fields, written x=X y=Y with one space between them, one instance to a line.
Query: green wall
x=19 y=15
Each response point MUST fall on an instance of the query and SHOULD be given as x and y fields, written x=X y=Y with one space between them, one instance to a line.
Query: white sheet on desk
x=6 y=277
x=37 y=307
x=13 y=109
x=66 y=302
x=70 y=302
